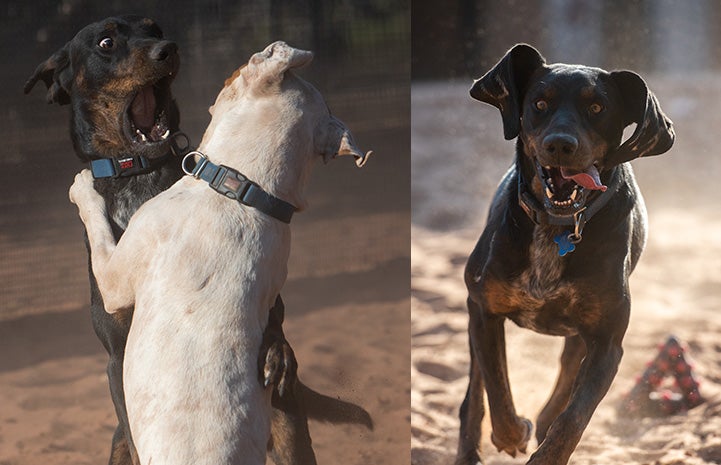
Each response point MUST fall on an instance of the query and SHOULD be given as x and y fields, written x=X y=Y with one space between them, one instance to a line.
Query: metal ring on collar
x=195 y=170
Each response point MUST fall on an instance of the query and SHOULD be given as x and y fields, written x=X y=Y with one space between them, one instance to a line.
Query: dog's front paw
x=514 y=440
x=82 y=188
x=280 y=367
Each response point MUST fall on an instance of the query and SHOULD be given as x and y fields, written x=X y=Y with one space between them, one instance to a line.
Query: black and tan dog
x=116 y=74
x=565 y=230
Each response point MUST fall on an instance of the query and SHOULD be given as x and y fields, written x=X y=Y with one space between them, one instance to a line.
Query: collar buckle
x=231 y=184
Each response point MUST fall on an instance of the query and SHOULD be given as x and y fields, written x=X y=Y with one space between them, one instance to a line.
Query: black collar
x=234 y=185
x=539 y=215
x=132 y=166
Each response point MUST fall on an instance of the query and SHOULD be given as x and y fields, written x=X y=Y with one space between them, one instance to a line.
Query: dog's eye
x=541 y=105
x=595 y=108
x=106 y=43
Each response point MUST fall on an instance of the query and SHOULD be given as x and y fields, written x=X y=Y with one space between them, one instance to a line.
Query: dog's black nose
x=560 y=144
x=162 y=50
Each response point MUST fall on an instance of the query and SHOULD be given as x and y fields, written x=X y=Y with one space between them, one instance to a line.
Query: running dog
x=565 y=230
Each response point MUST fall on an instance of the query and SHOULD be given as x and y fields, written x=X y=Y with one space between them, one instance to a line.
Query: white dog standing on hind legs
x=203 y=270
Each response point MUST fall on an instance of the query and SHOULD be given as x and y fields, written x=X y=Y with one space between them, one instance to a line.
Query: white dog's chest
x=196 y=333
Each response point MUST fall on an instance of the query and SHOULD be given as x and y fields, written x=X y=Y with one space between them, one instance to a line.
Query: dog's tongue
x=589 y=179
x=143 y=109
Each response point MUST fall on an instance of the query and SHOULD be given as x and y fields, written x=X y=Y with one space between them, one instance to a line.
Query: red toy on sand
x=646 y=399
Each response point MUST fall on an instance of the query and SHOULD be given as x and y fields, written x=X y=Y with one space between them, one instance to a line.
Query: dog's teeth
x=549 y=192
x=166 y=134
x=573 y=194
x=141 y=135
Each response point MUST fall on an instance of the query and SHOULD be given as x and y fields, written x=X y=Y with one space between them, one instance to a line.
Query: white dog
x=202 y=270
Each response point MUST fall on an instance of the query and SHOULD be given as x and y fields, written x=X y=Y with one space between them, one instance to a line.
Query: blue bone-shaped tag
x=565 y=245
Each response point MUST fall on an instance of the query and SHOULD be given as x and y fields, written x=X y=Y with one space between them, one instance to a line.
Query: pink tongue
x=589 y=179
x=143 y=108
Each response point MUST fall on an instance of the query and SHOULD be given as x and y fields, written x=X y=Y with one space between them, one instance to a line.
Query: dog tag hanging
x=565 y=244
x=567 y=240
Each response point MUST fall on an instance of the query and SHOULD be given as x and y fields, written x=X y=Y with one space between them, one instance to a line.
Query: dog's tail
x=328 y=409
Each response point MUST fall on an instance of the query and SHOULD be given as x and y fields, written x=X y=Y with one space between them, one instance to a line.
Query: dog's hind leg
x=291 y=442
x=112 y=330
x=123 y=450
x=471 y=415
x=510 y=432
x=574 y=350
x=121 y=454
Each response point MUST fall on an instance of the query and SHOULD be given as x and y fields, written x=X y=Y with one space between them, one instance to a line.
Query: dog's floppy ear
x=57 y=75
x=333 y=139
x=504 y=86
x=654 y=133
x=269 y=66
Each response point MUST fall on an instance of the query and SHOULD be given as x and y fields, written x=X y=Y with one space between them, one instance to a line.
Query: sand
x=458 y=157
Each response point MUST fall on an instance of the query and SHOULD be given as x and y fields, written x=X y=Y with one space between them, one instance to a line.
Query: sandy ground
x=55 y=405
x=458 y=157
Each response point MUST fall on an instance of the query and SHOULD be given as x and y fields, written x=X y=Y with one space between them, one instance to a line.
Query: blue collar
x=132 y=166
x=126 y=167
x=234 y=185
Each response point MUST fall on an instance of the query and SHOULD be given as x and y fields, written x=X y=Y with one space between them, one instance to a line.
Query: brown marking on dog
x=500 y=296
x=106 y=114
x=527 y=298
x=120 y=450
x=123 y=317
x=588 y=92
x=111 y=26
x=233 y=76
x=228 y=89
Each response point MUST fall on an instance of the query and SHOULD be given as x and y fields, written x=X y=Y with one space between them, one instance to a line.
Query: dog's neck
x=273 y=157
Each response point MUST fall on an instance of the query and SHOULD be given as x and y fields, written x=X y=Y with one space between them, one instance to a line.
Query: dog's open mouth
x=147 y=117
x=566 y=189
